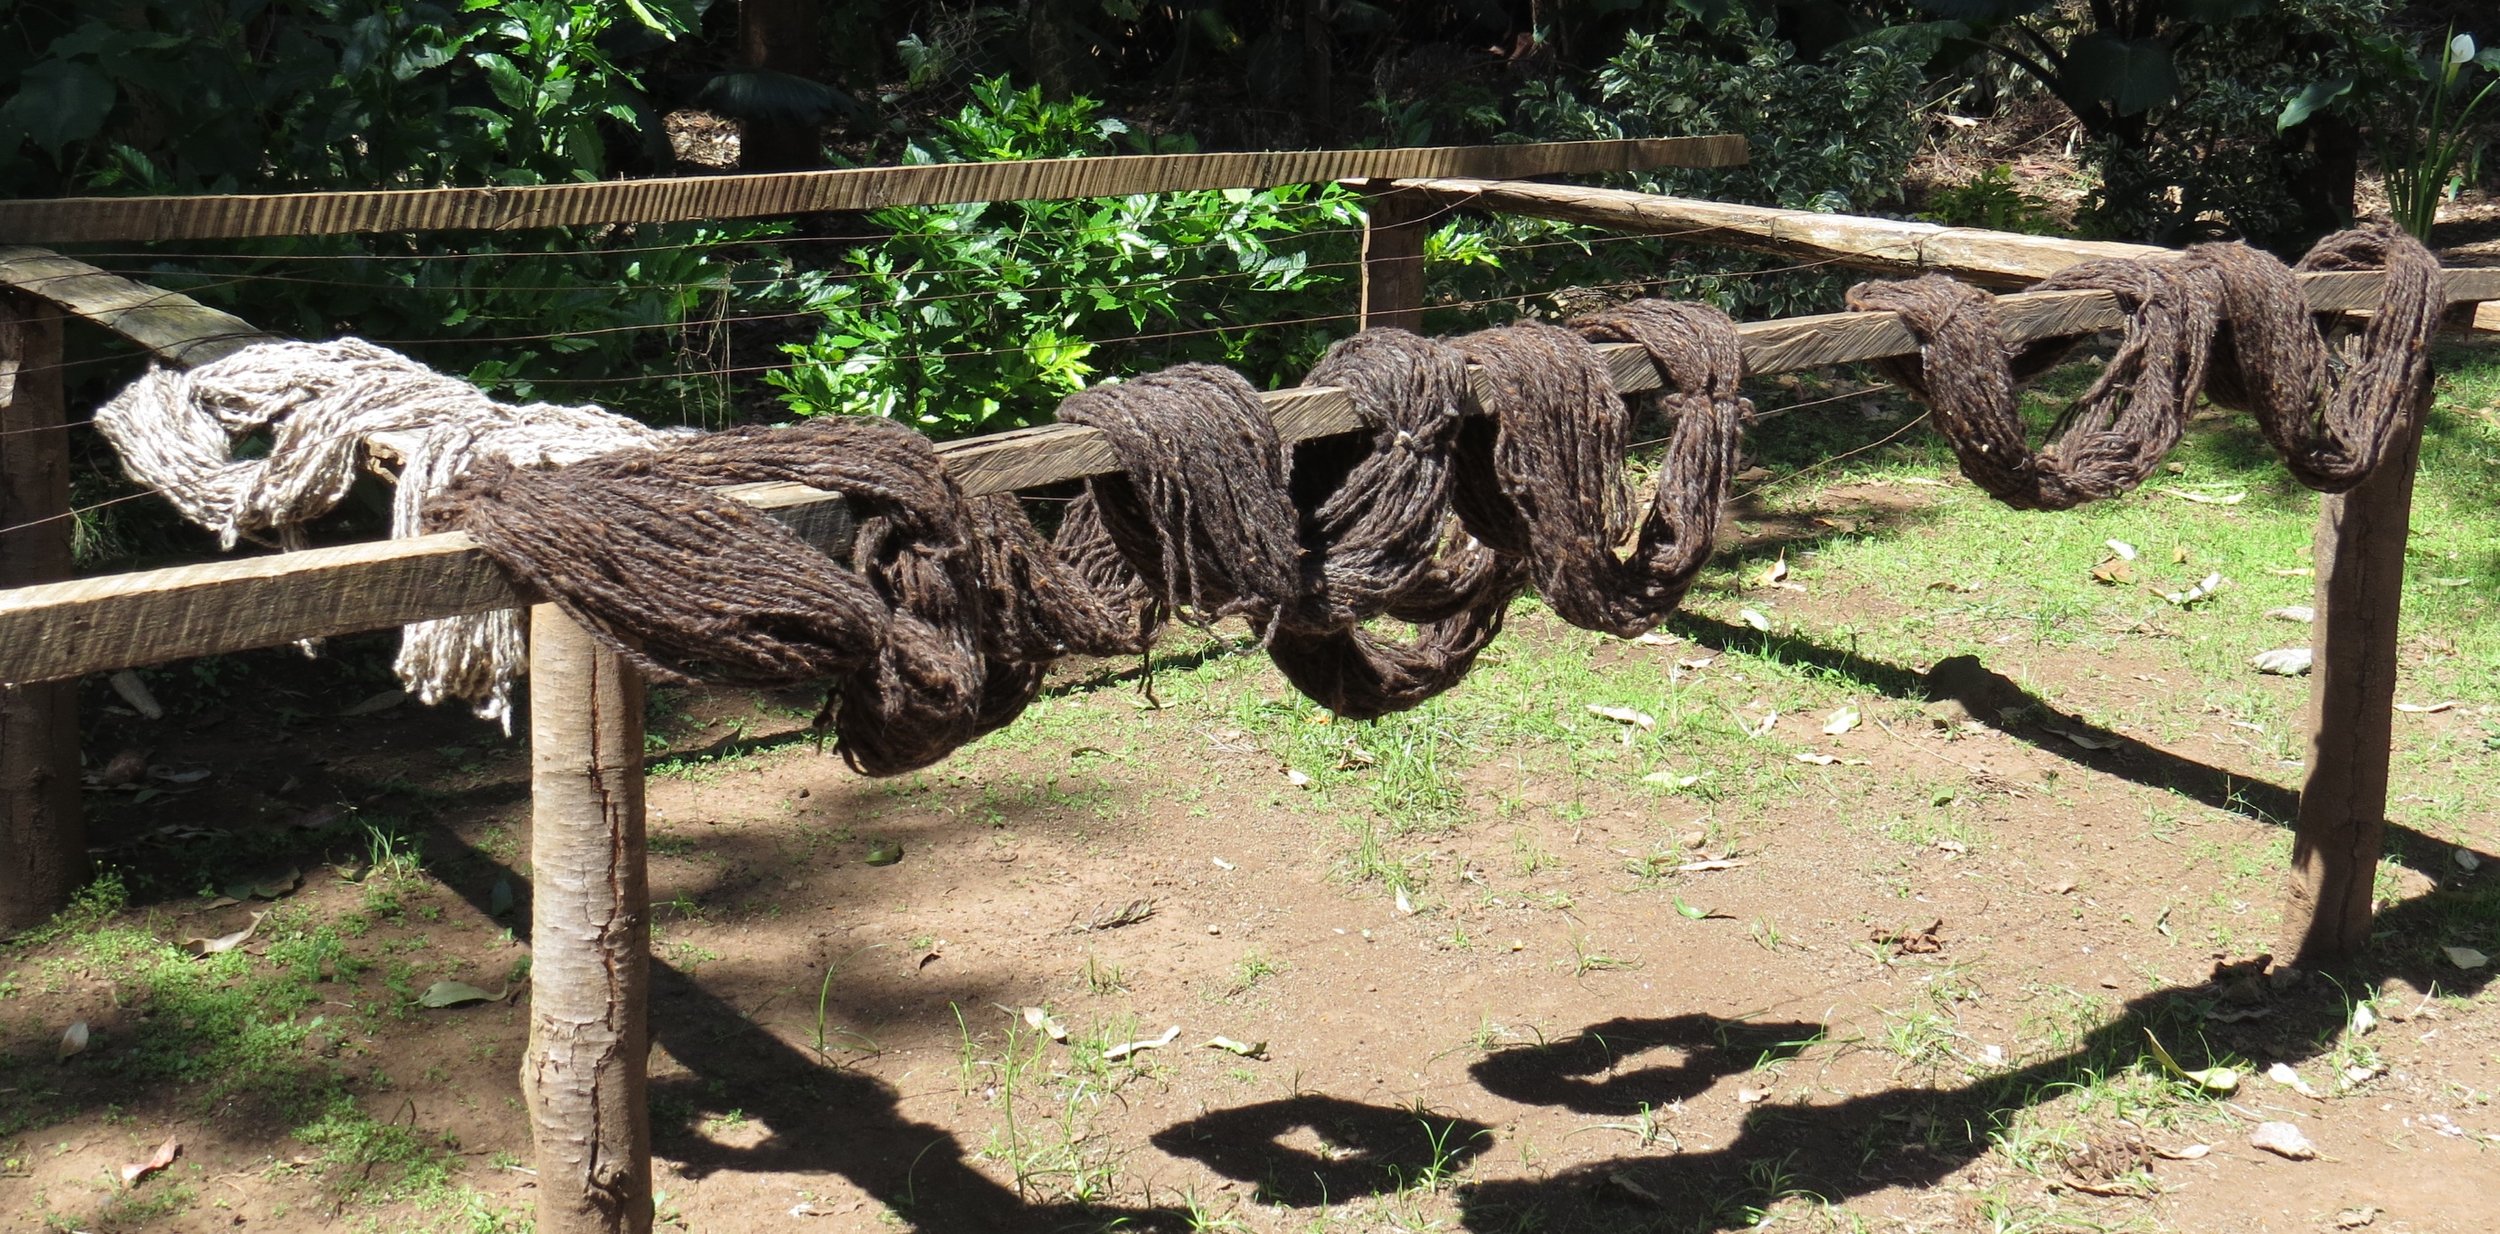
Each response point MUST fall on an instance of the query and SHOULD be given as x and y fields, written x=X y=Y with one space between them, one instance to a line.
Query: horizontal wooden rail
x=1981 y=256
x=125 y=620
x=73 y=220
x=1845 y=239
x=173 y=327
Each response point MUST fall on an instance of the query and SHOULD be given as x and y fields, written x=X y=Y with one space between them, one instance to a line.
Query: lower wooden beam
x=43 y=839
x=585 y=1076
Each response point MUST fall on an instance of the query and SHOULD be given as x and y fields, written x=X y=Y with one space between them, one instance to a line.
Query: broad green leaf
x=2132 y=76
x=58 y=102
x=2312 y=97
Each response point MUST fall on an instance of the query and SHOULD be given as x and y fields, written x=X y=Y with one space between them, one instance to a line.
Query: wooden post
x=2360 y=560
x=1394 y=231
x=590 y=936
x=43 y=843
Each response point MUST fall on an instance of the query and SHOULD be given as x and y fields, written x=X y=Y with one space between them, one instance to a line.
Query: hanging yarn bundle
x=1486 y=464
x=322 y=404
x=934 y=632
x=941 y=622
x=2224 y=319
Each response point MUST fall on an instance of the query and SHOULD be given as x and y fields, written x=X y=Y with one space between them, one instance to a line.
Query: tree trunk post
x=1394 y=230
x=2360 y=562
x=590 y=936
x=43 y=843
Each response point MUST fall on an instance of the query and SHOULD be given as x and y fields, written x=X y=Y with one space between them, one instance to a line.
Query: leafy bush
x=169 y=96
x=1993 y=201
x=1834 y=134
x=972 y=318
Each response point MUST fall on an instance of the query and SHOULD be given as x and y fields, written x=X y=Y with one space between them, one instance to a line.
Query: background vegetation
x=2170 y=120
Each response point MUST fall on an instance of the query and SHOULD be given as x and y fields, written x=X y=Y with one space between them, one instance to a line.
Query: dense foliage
x=975 y=317
x=968 y=318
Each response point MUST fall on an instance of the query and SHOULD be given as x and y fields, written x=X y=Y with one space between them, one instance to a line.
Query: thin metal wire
x=737 y=370
x=1844 y=456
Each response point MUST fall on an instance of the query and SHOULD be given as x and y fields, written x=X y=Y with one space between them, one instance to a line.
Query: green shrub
x=1993 y=201
x=972 y=318
x=1831 y=134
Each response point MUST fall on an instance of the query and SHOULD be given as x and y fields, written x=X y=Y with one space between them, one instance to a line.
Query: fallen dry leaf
x=1773 y=572
x=1126 y=1048
x=1752 y=1096
x=2426 y=709
x=2204 y=499
x=1624 y=715
x=377 y=704
x=1670 y=779
x=203 y=947
x=2283 y=1140
x=73 y=1040
x=2204 y=589
x=1925 y=940
x=2185 y=1152
x=2281 y=1073
x=2086 y=740
x=2466 y=957
x=2283 y=661
x=1841 y=720
x=1819 y=760
x=164 y=1156
x=2121 y=549
x=457 y=994
x=2355 y=1218
x=2211 y=1079
x=1754 y=619
x=1037 y=1018
x=2302 y=613
x=1113 y=916
x=1715 y=863
x=2114 y=571
x=1246 y=1049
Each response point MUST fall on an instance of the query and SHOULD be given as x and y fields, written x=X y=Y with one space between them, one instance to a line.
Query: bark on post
x=2360 y=561
x=1394 y=230
x=43 y=843
x=590 y=936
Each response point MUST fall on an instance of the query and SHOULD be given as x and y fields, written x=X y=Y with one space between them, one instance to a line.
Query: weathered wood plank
x=43 y=837
x=1848 y=240
x=1886 y=245
x=174 y=327
x=120 y=621
x=1393 y=257
x=687 y=198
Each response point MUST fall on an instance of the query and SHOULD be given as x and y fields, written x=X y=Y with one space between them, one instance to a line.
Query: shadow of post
x=1990 y=697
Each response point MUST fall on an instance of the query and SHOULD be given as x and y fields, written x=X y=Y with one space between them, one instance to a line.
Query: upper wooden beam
x=1847 y=240
x=74 y=220
x=174 y=327
x=120 y=621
